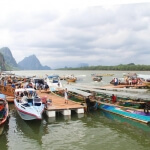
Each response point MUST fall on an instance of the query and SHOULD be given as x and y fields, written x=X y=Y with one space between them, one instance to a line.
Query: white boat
x=31 y=108
x=53 y=81
x=37 y=82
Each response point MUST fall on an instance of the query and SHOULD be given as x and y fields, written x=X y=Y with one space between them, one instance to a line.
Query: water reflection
x=31 y=129
x=126 y=121
x=79 y=131
x=3 y=135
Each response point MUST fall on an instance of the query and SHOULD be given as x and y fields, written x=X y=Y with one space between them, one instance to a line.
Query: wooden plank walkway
x=58 y=103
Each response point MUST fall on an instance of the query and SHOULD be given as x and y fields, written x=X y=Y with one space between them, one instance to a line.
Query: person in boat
x=66 y=95
x=130 y=81
x=37 y=85
x=115 y=81
x=24 y=98
x=13 y=85
x=113 y=98
x=87 y=100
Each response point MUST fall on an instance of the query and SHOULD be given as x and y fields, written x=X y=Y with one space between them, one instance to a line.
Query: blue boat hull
x=127 y=112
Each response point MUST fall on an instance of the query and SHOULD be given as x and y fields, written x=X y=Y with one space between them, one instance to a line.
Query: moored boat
x=53 y=81
x=98 y=79
x=29 y=108
x=139 y=112
x=71 y=79
x=4 y=109
x=103 y=75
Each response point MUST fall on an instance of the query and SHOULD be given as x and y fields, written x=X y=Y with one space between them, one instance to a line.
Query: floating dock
x=58 y=105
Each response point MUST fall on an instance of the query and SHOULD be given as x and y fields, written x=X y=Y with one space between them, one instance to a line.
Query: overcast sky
x=69 y=32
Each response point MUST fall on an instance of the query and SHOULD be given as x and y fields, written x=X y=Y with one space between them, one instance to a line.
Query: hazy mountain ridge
x=8 y=62
x=32 y=63
x=2 y=62
x=9 y=59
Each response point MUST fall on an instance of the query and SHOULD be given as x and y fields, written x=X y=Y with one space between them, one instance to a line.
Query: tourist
x=130 y=81
x=46 y=86
x=48 y=103
x=147 y=107
x=87 y=100
x=115 y=81
x=5 y=82
x=66 y=95
x=13 y=85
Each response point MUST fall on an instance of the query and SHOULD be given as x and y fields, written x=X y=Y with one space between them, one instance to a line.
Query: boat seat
x=37 y=100
x=30 y=102
x=37 y=104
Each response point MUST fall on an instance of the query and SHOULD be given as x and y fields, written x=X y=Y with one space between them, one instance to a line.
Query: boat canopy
x=146 y=77
x=26 y=89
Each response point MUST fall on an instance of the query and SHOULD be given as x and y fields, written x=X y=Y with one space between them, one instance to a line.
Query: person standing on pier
x=87 y=100
x=66 y=95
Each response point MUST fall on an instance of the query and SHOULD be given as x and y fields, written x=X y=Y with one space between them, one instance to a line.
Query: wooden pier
x=58 y=105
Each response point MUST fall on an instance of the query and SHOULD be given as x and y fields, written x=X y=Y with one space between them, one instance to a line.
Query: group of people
x=133 y=81
x=37 y=86
x=8 y=80
x=25 y=95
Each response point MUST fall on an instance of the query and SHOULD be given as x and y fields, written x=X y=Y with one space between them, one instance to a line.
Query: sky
x=65 y=33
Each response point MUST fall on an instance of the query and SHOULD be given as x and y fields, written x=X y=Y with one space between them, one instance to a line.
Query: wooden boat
x=136 y=108
x=31 y=108
x=147 y=84
x=103 y=75
x=7 y=90
x=4 y=109
x=98 y=79
x=71 y=79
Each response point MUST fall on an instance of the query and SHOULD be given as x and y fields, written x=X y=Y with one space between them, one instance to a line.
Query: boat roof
x=24 y=89
x=53 y=76
x=83 y=93
x=2 y=96
x=124 y=94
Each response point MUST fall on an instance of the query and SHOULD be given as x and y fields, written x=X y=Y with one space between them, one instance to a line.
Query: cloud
x=67 y=36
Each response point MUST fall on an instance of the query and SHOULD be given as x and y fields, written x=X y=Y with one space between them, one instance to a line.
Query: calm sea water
x=95 y=130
